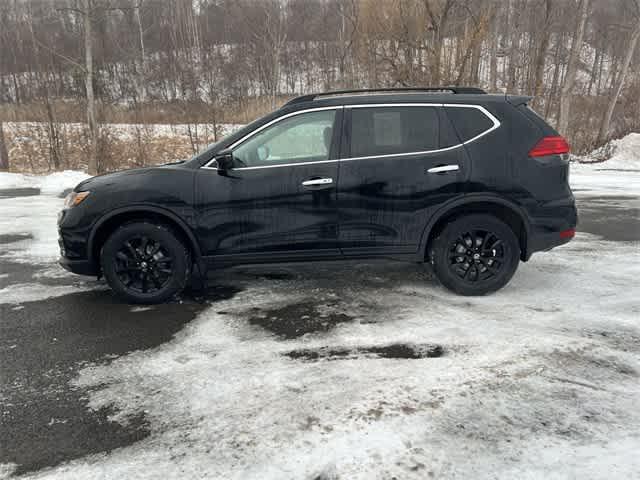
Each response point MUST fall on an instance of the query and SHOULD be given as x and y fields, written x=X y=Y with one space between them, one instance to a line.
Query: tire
x=475 y=254
x=145 y=262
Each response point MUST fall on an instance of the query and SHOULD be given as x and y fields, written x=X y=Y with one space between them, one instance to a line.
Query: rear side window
x=393 y=130
x=468 y=122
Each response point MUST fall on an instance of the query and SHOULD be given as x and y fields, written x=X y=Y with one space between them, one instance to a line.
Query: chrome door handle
x=317 y=181
x=444 y=168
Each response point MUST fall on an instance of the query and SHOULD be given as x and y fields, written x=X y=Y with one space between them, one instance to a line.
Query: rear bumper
x=542 y=242
x=554 y=225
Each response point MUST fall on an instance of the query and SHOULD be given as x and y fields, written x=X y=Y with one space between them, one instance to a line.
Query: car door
x=401 y=162
x=279 y=198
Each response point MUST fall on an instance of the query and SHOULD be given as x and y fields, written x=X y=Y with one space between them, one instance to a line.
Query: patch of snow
x=57 y=182
x=17 y=180
x=40 y=217
x=31 y=292
x=604 y=183
x=52 y=184
x=624 y=155
x=141 y=309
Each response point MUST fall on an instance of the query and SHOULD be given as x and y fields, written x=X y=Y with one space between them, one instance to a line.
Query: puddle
x=18 y=192
x=14 y=237
x=613 y=221
x=293 y=321
x=213 y=293
x=406 y=351
x=271 y=275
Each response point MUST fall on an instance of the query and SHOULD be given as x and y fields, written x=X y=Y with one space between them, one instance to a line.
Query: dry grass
x=129 y=137
x=178 y=112
x=121 y=146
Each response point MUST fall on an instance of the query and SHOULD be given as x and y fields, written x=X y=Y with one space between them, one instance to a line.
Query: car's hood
x=109 y=179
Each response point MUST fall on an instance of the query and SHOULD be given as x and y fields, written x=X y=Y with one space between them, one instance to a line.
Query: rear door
x=402 y=162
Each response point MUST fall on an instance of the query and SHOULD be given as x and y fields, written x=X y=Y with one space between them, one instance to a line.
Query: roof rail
x=451 y=89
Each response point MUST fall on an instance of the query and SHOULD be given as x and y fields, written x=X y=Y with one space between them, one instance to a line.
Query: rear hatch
x=543 y=166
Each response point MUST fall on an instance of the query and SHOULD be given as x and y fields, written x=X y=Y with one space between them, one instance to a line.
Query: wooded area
x=211 y=62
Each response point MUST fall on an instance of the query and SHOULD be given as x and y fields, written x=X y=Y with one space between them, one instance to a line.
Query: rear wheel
x=145 y=262
x=475 y=254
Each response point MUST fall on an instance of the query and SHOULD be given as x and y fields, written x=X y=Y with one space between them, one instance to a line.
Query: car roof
x=402 y=95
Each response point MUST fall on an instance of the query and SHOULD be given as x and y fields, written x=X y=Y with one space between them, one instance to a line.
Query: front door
x=401 y=163
x=279 y=199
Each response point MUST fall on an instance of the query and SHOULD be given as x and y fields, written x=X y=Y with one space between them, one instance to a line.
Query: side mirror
x=224 y=159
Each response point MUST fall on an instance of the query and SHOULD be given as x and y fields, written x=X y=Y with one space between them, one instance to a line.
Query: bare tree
x=572 y=68
x=631 y=46
x=142 y=86
x=94 y=167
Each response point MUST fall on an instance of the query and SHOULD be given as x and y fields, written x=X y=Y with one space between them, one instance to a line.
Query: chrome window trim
x=268 y=124
x=489 y=115
x=259 y=167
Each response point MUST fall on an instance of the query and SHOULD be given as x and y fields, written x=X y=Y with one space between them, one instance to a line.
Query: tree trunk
x=88 y=81
x=541 y=56
x=493 y=65
x=4 y=154
x=572 y=68
x=594 y=71
x=606 y=121
x=475 y=38
x=142 y=76
x=514 y=48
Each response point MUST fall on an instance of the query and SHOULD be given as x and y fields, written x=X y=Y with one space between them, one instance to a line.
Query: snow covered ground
x=374 y=371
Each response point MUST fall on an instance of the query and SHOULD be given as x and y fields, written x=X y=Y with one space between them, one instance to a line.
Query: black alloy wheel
x=143 y=265
x=145 y=262
x=475 y=254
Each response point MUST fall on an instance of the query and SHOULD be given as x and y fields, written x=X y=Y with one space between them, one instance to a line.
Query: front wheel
x=475 y=254
x=145 y=262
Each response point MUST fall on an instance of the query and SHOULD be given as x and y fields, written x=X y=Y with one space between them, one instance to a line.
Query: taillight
x=555 y=145
x=568 y=233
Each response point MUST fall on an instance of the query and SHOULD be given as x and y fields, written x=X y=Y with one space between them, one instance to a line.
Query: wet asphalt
x=45 y=420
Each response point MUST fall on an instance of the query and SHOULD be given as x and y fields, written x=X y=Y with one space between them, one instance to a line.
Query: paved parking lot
x=327 y=371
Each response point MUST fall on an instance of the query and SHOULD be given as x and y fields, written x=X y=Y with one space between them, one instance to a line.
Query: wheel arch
x=112 y=220
x=507 y=211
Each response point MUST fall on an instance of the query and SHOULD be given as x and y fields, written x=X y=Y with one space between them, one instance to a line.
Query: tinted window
x=302 y=138
x=390 y=130
x=468 y=122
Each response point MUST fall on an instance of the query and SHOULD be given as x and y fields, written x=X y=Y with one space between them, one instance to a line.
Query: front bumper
x=73 y=253
x=80 y=267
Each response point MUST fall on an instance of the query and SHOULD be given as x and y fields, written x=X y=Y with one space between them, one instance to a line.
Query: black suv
x=467 y=181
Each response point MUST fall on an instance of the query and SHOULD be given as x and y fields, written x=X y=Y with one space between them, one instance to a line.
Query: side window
x=301 y=138
x=468 y=122
x=391 y=130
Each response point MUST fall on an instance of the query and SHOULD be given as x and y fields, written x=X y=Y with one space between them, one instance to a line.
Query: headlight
x=75 y=198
